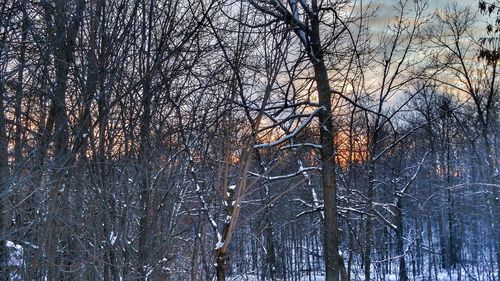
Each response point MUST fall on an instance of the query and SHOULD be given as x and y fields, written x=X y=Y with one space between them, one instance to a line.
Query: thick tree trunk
x=271 y=255
x=221 y=266
x=403 y=275
x=368 y=246
x=328 y=175
x=331 y=231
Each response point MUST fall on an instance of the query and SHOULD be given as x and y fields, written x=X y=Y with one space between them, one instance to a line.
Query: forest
x=232 y=140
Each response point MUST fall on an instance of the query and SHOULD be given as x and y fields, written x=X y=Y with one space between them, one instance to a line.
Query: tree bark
x=66 y=29
x=331 y=231
x=4 y=173
x=403 y=276
x=368 y=229
x=328 y=175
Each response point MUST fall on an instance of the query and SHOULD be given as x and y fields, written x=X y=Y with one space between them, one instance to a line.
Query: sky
x=386 y=6
x=386 y=11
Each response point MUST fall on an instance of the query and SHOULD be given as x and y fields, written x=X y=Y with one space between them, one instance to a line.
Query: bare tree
x=306 y=19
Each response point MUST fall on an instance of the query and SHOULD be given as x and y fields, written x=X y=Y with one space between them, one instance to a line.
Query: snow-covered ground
x=16 y=262
x=441 y=276
x=15 y=254
x=254 y=278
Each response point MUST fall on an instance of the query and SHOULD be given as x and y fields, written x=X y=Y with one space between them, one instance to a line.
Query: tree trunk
x=221 y=266
x=368 y=229
x=452 y=243
x=271 y=255
x=66 y=29
x=145 y=152
x=328 y=175
x=403 y=275
x=4 y=173
x=331 y=231
x=495 y=195
x=145 y=221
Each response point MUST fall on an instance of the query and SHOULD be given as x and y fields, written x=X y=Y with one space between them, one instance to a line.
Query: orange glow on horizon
x=351 y=149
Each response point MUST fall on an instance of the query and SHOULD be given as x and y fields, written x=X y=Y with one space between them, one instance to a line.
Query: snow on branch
x=287 y=176
x=298 y=145
x=414 y=177
x=291 y=135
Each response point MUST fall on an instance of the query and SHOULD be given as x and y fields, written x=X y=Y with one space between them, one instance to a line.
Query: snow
x=441 y=276
x=212 y=222
x=112 y=238
x=301 y=170
x=219 y=243
x=16 y=254
x=291 y=135
x=254 y=278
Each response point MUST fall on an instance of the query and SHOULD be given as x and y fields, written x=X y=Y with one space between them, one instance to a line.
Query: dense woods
x=249 y=140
